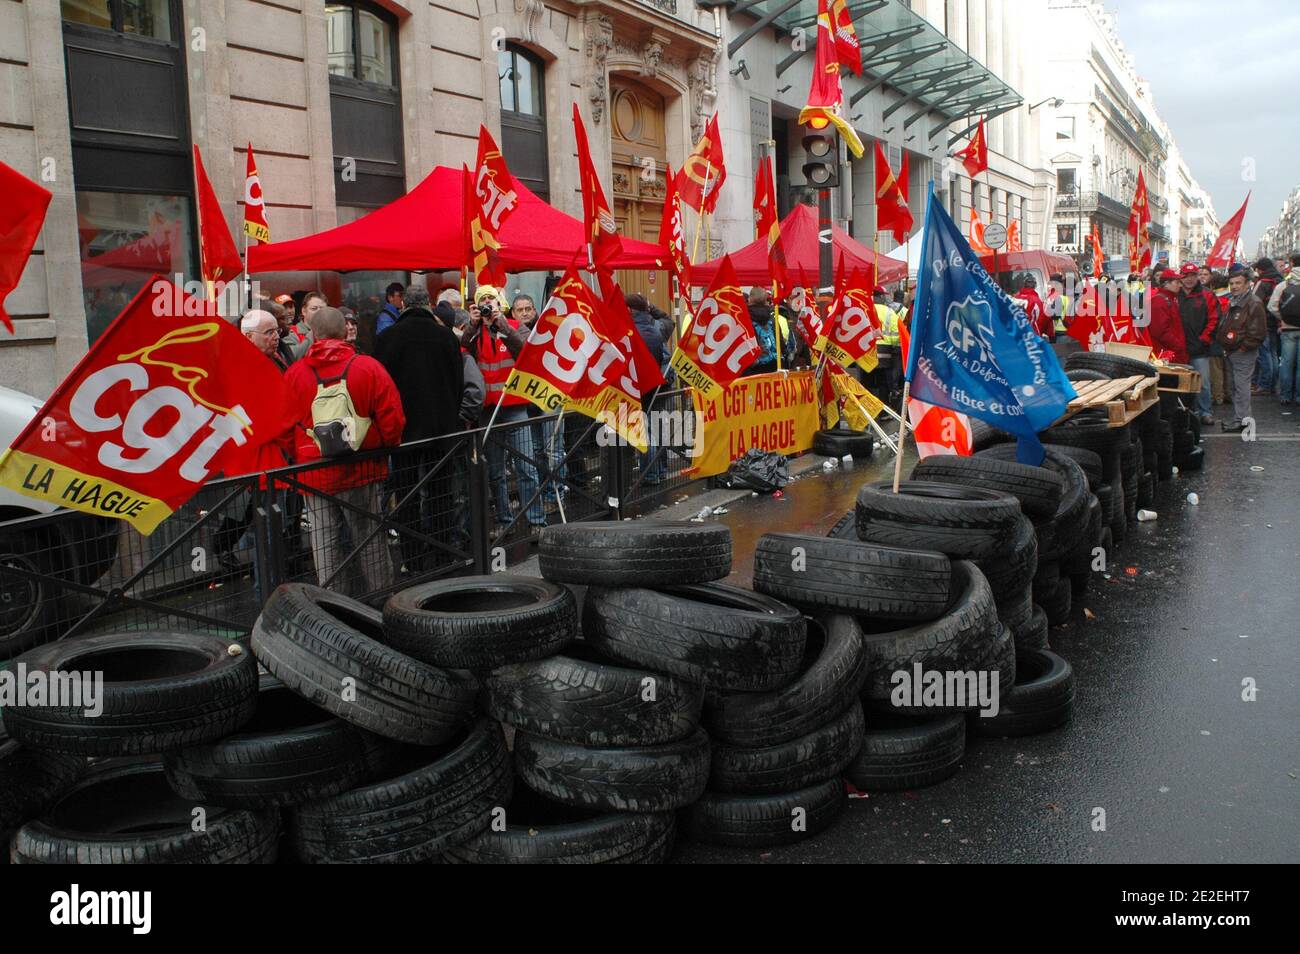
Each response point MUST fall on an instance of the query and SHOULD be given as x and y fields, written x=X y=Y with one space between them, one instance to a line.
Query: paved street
x=1185 y=770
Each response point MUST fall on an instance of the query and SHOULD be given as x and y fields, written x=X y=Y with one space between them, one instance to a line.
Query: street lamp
x=1056 y=102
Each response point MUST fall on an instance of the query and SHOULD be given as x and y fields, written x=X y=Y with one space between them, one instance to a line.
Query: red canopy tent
x=423 y=231
x=799 y=238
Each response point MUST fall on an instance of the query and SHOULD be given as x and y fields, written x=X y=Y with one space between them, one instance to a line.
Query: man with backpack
x=1284 y=304
x=345 y=402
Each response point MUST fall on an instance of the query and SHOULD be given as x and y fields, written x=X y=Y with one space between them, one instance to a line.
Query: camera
x=485 y=311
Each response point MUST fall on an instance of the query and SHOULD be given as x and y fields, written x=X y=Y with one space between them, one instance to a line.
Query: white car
x=72 y=546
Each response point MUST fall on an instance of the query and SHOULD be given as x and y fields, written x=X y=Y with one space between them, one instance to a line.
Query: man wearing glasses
x=261 y=328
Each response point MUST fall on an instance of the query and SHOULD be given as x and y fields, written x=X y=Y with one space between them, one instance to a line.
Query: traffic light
x=821 y=171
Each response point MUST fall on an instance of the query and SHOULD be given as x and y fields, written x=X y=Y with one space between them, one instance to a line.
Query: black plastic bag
x=762 y=471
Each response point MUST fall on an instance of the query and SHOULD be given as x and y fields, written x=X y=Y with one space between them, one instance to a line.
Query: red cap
x=879 y=290
x=1168 y=275
x=1190 y=268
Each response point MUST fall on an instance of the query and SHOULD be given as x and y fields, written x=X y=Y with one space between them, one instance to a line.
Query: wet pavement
x=1162 y=741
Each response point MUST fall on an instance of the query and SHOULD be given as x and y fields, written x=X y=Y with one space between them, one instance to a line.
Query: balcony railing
x=1093 y=202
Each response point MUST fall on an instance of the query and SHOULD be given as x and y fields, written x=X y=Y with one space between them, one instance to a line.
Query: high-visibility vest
x=496 y=363
x=888 y=319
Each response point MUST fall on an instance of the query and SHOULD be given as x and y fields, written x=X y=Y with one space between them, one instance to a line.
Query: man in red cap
x=1198 y=309
x=1166 y=328
x=1033 y=305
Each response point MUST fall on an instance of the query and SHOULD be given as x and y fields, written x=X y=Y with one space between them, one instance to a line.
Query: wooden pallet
x=1123 y=398
x=1178 y=379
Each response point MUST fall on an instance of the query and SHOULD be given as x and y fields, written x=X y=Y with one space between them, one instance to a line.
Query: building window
x=1066 y=180
x=520 y=76
x=1065 y=128
x=365 y=104
x=150 y=18
x=128 y=114
x=1065 y=234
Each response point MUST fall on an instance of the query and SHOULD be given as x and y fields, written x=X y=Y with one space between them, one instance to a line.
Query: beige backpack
x=336 y=427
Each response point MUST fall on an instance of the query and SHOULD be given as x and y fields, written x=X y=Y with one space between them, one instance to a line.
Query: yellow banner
x=858 y=402
x=611 y=406
x=690 y=376
x=773 y=412
x=39 y=478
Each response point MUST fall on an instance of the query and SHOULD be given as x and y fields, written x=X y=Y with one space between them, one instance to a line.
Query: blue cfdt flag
x=973 y=347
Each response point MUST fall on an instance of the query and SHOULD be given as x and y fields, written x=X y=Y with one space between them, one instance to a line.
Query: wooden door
x=639 y=154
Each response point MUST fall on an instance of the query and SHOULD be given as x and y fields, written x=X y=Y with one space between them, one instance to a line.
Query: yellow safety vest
x=888 y=319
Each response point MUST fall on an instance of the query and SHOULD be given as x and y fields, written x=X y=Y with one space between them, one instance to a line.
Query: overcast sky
x=1226 y=78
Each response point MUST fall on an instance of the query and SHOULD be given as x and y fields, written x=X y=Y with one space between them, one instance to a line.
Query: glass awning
x=900 y=50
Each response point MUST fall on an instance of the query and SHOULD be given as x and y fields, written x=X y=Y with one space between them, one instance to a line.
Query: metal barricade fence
x=366 y=525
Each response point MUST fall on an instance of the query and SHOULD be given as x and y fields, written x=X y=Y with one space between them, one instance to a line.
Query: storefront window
x=151 y=18
x=126 y=238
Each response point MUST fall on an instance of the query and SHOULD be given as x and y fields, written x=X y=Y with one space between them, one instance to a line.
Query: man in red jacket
x=355 y=482
x=1166 y=328
x=1199 y=311
x=1033 y=305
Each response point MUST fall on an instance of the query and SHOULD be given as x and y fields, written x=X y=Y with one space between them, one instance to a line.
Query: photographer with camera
x=495 y=340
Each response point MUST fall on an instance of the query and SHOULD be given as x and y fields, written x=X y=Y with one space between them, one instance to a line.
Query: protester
x=1240 y=333
x=1284 y=304
x=887 y=357
x=1199 y=311
x=1266 y=370
x=422 y=356
x=261 y=329
x=1220 y=371
x=452 y=297
x=392 y=310
x=472 y=391
x=496 y=341
x=1033 y=305
x=548 y=438
x=284 y=332
x=652 y=469
x=1166 y=328
x=765 y=322
x=345 y=494
x=350 y=326
x=1057 y=303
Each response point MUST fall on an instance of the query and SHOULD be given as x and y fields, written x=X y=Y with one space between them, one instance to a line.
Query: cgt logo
x=723 y=338
x=968 y=327
x=75 y=907
x=140 y=450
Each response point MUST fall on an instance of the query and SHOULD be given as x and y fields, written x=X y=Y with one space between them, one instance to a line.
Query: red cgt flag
x=719 y=343
x=892 y=212
x=826 y=95
x=493 y=183
x=975 y=157
x=484 y=249
x=699 y=181
x=21 y=215
x=1139 y=228
x=1224 y=252
x=603 y=243
x=847 y=49
x=854 y=330
x=218 y=257
x=672 y=232
x=769 y=227
x=255 y=225
x=643 y=368
x=169 y=395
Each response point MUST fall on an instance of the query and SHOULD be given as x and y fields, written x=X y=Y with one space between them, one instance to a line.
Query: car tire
x=290 y=752
x=314 y=641
x=29 y=608
x=30 y=781
x=481 y=622
x=635 y=553
x=832 y=442
x=1037 y=489
x=652 y=778
x=831 y=678
x=820 y=574
x=161 y=692
x=580 y=699
x=1111 y=365
x=123 y=812
x=1033 y=635
x=906 y=752
x=764 y=821
x=721 y=637
x=1042 y=700
x=432 y=800
x=1007 y=573
x=786 y=766
x=962 y=522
